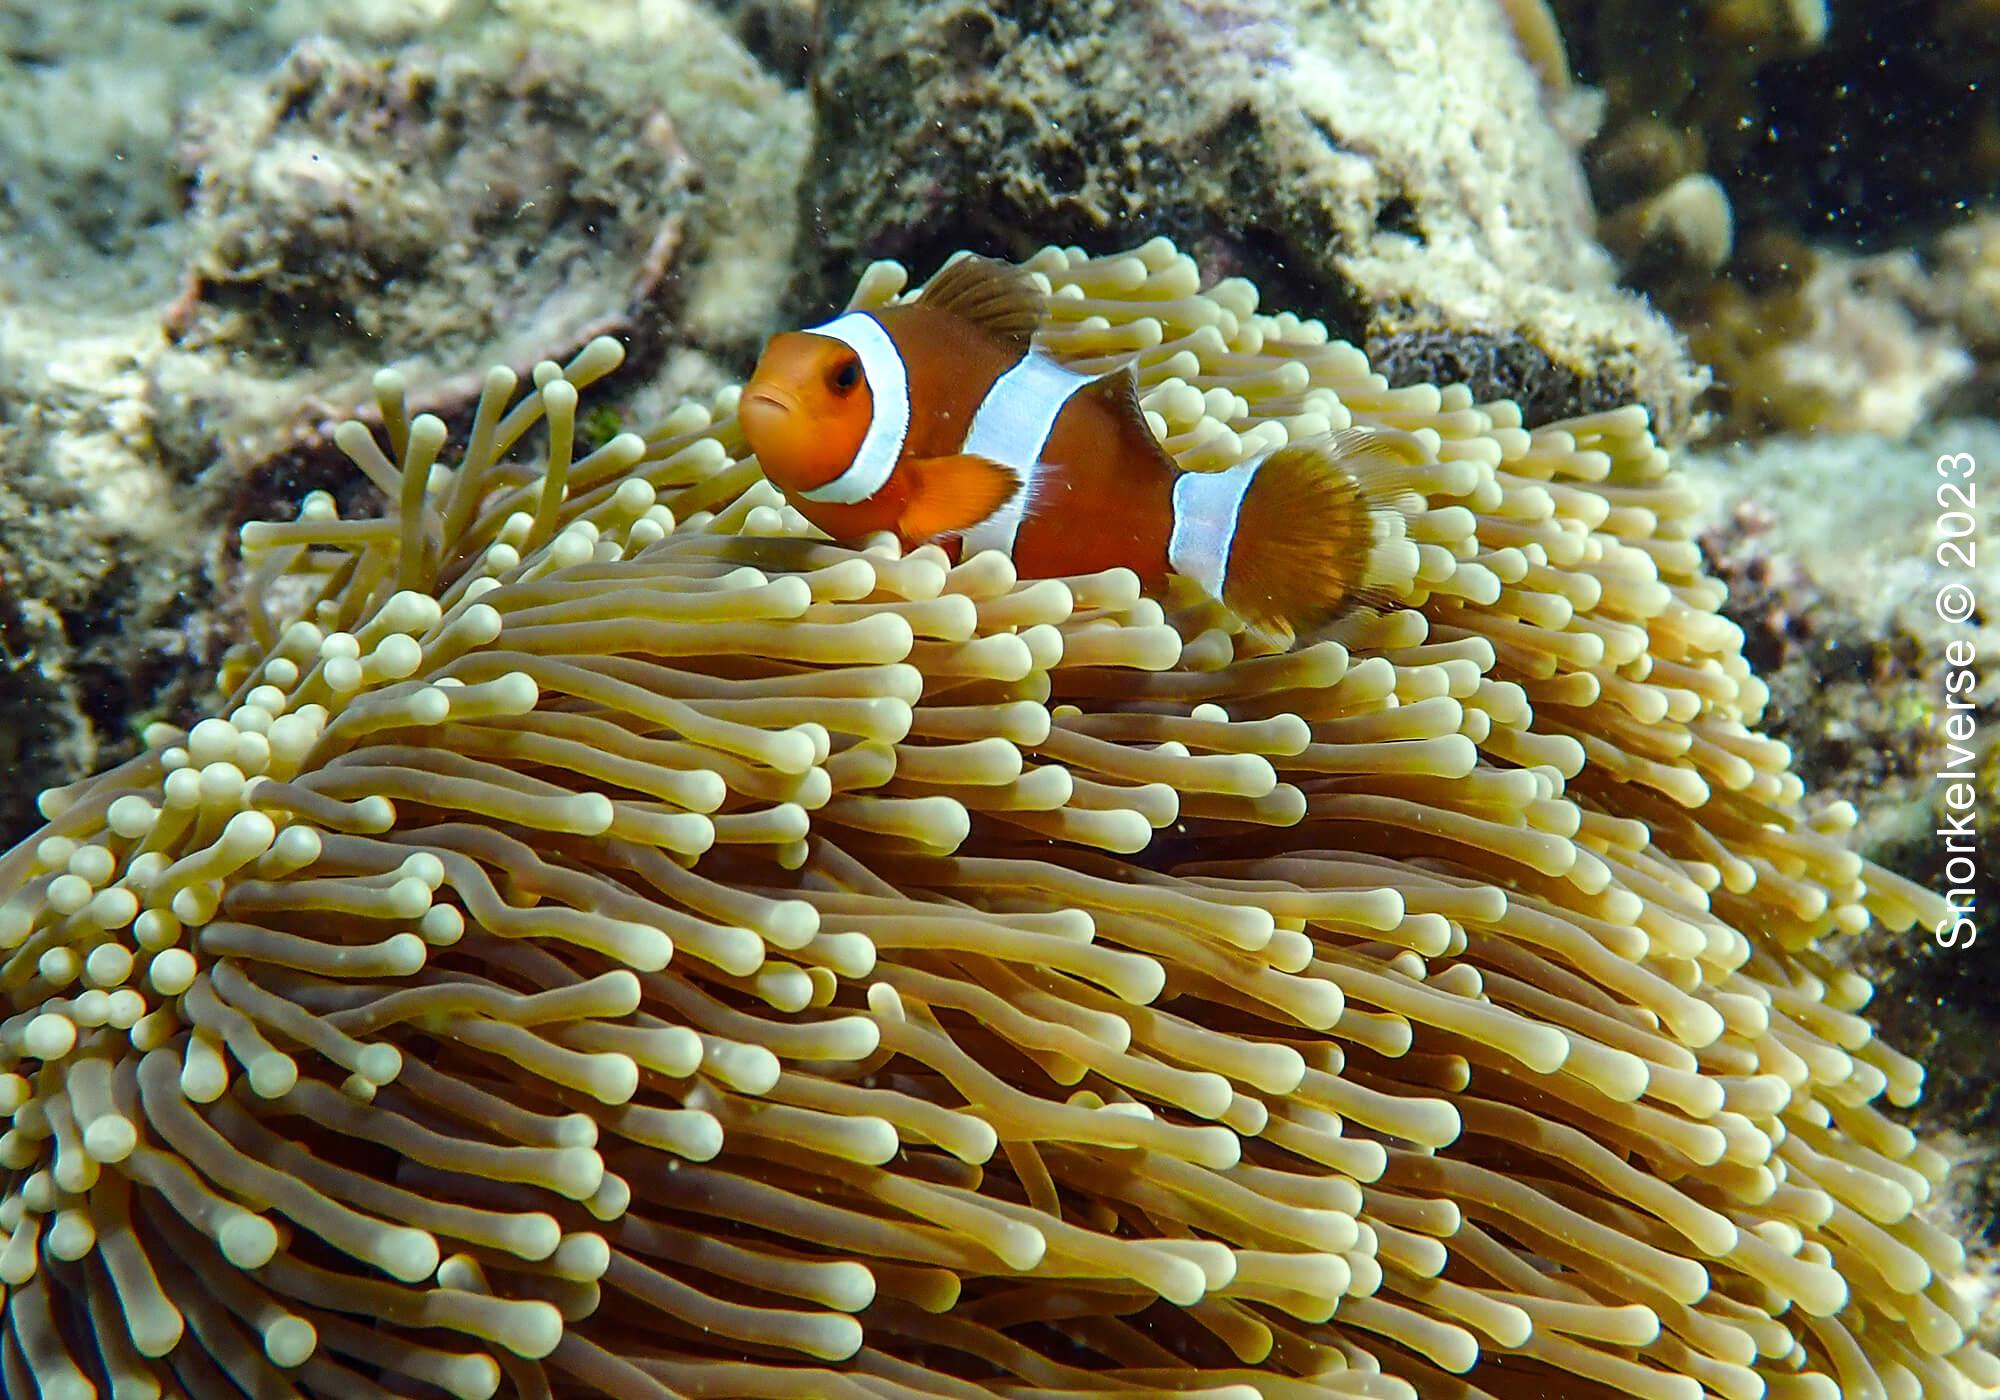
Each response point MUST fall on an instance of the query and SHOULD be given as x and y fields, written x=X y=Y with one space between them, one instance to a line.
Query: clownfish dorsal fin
x=997 y=297
x=950 y=494
x=1119 y=392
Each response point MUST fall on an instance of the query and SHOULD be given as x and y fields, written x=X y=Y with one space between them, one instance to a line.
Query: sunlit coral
x=613 y=943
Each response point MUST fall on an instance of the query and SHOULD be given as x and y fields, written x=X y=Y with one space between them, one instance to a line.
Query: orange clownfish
x=941 y=417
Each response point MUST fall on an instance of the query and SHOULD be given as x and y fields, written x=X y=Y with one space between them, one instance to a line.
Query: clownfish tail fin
x=1314 y=530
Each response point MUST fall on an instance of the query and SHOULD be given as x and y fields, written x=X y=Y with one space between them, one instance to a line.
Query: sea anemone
x=614 y=942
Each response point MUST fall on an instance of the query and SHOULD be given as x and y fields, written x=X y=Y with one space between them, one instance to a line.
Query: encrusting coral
x=616 y=944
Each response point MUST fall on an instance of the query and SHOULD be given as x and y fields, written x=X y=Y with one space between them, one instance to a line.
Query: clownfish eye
x=846 y=377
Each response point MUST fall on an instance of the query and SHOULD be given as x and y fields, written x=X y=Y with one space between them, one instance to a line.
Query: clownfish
x=941 y=417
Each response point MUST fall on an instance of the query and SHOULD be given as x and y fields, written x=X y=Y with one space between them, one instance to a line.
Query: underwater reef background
x=1776 y=226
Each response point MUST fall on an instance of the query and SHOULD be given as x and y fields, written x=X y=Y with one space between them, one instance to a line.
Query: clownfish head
x=806 y=410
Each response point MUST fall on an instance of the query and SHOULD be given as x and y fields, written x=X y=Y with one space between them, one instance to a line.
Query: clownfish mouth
x=769 y=421
x=764 y=413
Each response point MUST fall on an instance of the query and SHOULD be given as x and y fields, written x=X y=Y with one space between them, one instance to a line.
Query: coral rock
x=537 y=177
x=1394 y=167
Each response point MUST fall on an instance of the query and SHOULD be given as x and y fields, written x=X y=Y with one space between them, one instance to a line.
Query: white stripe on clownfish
x=1012 y=427
x=888 y=427
x=1206 y=506
x=1014 y=420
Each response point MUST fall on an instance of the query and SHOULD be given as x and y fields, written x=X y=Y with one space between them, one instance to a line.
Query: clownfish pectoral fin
x=997 y=297
x=948 y=494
